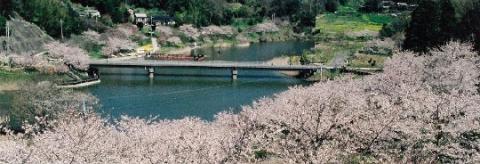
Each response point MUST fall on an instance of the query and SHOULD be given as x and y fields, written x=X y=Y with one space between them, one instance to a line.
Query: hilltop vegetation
x=352 y=38
x=436 y=22
x=51 y=15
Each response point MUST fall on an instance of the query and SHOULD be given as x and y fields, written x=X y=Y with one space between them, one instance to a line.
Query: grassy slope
x=10 y=76
x=333 y=23
x=336 y=33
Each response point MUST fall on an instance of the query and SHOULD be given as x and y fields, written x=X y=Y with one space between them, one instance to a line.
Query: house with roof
x=88 y=12
x=387 y=4
x=92 y=13
x=141 y=18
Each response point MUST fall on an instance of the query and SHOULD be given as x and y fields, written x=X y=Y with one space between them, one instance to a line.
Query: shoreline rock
x=247 y=44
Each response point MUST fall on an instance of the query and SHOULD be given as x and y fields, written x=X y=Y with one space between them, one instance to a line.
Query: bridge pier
x=321 y=73
x=151 y=72
x=234 y=73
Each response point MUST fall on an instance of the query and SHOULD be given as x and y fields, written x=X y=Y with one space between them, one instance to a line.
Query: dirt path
x=155 y=45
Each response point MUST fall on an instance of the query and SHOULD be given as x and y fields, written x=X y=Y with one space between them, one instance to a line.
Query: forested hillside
x=52 y=15
x=436 y=22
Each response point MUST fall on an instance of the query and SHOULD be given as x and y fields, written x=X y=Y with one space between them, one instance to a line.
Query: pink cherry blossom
x=421 y=109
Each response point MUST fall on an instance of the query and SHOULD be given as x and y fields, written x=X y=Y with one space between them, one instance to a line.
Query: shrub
x=398 y=25
x=372 y=6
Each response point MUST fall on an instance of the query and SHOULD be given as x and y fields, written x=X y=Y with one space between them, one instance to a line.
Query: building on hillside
x=141 y=18
x=92 y=13
x=88 y=12
x=402 y=6
x=163 y=21
x=386 y=5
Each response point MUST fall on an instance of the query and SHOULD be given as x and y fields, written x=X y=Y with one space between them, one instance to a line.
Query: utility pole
x=84 y=106
x=151 y=28
x=7 y=32
x=61 y=28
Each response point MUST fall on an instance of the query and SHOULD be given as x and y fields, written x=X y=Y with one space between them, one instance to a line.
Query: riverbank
x=12 y=79
x=15 y=79
x=284 y=61
x=183 y=39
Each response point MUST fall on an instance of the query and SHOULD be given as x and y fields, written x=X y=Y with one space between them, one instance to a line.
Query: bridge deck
x=204 y=64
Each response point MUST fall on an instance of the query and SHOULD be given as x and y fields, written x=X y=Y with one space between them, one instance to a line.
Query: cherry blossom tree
x=92 y=36
x=114 y=45
x=421 y=109
x=122 y=31
x=67 y=54
x=26 y=61
x=127 y=29
x=3 y=58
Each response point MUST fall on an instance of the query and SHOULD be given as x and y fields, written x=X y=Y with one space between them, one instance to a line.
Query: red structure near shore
x=179 y=57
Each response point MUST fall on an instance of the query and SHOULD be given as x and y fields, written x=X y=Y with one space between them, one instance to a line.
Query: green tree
x=372 y=6
x=398 y=24
x=424 y=27
x=448 y=22
x=331 y=5
x=53 y=16
x=470 y=27
x=6 y=7
x=115 y=9
x=3 y=22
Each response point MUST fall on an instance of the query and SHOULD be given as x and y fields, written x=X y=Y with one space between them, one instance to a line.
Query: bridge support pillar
x=151 y=72
x=321 y=73
x=234 y=73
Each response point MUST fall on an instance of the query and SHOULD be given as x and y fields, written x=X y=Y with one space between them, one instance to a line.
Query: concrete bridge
x=150 y=66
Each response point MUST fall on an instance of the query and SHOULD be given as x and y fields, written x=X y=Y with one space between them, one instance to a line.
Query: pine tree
x=5 y=8
x=423 y=31
x=448 y=22
x=373 y=6
x=470 y=24
x=3 y=22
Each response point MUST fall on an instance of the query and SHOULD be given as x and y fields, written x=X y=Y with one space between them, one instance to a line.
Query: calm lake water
x=179 y=93
x=176 y=93
x=258 y=51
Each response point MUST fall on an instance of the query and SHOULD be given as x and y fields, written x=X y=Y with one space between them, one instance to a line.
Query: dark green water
x=175 y=93
x=257 y=52
x=5 y=102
